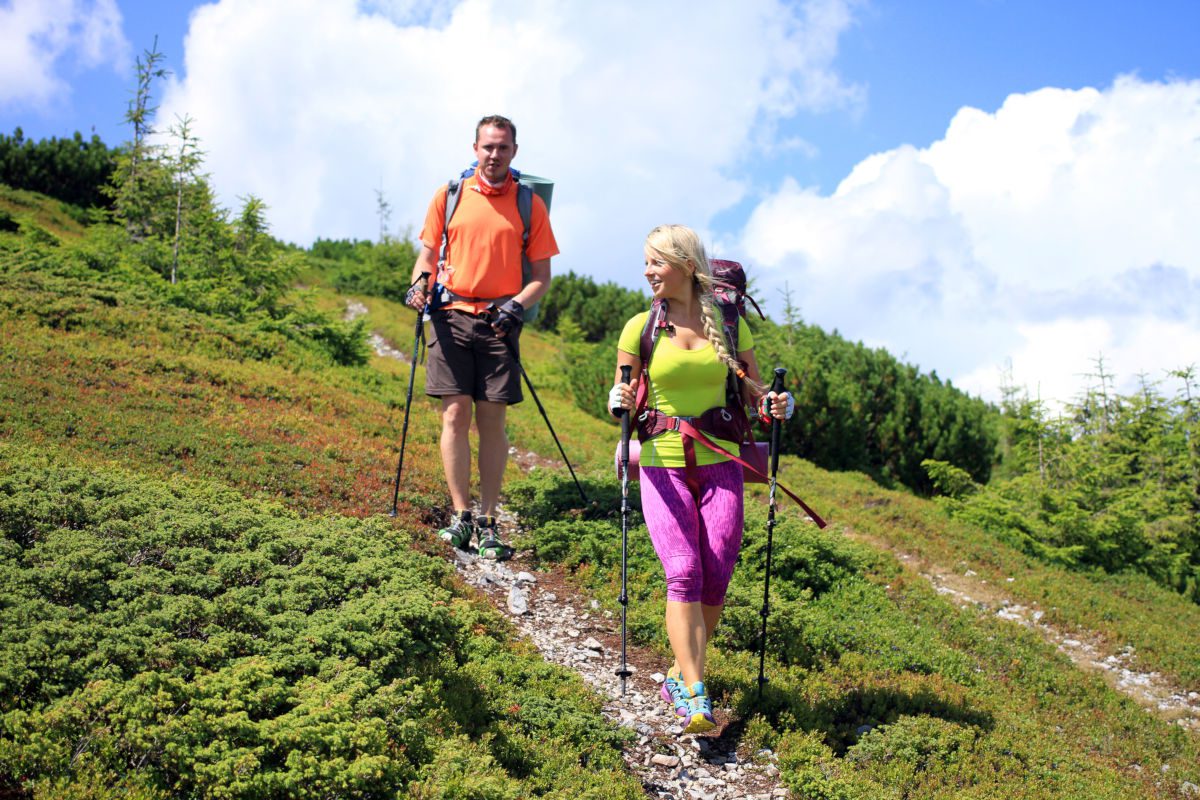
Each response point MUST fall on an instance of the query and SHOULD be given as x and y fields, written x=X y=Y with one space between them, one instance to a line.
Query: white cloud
x=1058 y=229
x=1084 y=347
x=641 y=112
x=36 y=36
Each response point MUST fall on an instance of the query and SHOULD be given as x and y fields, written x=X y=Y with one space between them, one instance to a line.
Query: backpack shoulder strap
x=525 y=209
x=731 y=322
x=656 y=321
x=453 y=192
x=729 y=318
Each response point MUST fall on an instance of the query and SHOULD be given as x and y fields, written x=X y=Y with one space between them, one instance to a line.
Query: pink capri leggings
x=697 y=536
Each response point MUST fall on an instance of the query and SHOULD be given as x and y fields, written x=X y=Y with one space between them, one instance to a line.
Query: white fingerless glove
x=616 y=400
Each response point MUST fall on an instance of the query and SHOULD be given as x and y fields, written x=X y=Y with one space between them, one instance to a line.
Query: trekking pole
x=412 y=376
x=624 y=672
x=528 y=383
x=776 y=431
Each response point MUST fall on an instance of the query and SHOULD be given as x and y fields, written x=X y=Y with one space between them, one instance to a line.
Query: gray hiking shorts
x=464 y=356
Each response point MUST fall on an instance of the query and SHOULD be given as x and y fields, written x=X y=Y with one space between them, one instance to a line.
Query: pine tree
x=185 y=167
x=140 y=182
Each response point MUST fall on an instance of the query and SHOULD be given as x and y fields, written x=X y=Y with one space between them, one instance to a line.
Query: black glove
x=508 y=317
x=416 y=290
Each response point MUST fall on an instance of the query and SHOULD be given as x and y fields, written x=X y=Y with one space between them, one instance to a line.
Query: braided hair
x=679 y=246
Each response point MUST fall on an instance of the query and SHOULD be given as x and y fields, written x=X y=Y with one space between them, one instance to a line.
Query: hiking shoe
x=458 y=532
x=490 y=545
x=672 y=691
x=699 y=709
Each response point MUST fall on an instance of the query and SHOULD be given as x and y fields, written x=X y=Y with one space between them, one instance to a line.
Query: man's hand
x=510 y=316
x=415 y=296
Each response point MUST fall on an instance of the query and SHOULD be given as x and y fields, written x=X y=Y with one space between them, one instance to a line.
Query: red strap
x=690 y=431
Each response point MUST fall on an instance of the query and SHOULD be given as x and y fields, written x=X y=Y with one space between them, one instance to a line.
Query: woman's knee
x=685 y=579
x=713 y=593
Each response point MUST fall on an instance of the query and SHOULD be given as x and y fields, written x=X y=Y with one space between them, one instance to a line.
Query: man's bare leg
x=493 y=453
x=456 y=449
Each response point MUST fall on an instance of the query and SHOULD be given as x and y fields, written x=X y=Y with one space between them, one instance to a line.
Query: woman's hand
x=776 y=405
x=620 y=398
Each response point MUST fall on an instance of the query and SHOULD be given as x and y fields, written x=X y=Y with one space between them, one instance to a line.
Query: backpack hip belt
x=444 y=295
x=716 y=422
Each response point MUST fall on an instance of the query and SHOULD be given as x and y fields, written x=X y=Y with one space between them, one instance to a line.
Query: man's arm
x=539 y=283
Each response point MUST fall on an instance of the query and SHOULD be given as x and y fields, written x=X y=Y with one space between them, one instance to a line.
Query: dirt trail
x=1087 y=649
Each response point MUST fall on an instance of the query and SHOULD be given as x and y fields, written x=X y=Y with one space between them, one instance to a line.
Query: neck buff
x=483 y=187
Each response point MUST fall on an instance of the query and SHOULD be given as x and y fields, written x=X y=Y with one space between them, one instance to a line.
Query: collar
x=487 y=189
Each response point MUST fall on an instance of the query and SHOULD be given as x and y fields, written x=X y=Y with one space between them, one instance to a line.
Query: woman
x=694 y=514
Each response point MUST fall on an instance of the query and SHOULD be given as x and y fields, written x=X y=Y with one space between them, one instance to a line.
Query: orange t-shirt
x=485 y=242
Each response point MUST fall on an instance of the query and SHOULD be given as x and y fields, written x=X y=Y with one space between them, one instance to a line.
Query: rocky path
x=572 y=631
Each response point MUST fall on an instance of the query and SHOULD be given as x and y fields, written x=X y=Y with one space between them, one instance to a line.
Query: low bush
x=174 y=639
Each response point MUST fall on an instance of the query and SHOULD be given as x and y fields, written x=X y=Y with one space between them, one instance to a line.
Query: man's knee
x=456 y=414
x=490 y=416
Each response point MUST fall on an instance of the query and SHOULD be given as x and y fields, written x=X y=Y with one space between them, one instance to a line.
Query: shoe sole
x=699 y=724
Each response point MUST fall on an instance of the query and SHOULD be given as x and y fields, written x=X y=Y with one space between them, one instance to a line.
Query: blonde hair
x=681 y=248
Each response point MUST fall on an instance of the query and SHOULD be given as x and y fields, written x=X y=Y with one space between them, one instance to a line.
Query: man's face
x=495 y=149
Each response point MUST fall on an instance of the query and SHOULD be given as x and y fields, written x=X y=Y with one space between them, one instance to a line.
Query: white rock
x=518 y=604
x=663 y=760
x=526 y=577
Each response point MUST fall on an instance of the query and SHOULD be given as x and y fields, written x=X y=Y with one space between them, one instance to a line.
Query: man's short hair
x=497 y=121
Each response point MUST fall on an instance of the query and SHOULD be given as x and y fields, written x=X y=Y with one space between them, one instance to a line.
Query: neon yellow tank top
x=683 y=383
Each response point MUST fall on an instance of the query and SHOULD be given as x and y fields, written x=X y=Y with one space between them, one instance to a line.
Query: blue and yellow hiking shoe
x=672 y=691
x=459 y=531
x=490 y=545
x=699 y=709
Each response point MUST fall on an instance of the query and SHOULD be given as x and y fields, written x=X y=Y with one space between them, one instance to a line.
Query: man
x=471 y=361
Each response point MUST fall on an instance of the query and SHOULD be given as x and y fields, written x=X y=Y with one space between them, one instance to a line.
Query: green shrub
x=176 y=639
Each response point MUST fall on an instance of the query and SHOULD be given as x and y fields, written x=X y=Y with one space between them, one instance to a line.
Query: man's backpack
x=524 y=208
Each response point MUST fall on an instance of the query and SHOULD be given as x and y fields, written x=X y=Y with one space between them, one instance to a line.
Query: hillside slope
x=193 y=592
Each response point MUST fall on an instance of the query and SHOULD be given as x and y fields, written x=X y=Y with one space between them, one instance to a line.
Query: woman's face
x=665 y=280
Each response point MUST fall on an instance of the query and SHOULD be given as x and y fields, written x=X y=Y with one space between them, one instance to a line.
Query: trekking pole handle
x=626 y=373
x=776 y=426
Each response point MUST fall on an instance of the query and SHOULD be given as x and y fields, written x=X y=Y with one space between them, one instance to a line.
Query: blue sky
x=982 y=187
